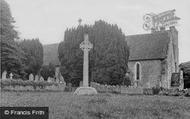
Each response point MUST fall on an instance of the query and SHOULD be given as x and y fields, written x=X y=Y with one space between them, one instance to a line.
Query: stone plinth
x=85 y=91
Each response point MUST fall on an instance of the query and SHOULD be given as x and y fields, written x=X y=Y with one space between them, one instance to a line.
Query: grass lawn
x=64 y=105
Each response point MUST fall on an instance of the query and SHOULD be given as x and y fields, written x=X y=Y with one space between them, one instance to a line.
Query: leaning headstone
x=11 y=75
x=36 y=78
x=31 y=77
x=49 y=79
x=4 y=75
x=41 y=78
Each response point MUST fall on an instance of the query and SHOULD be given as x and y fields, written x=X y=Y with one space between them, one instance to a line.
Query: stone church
x=153 y=58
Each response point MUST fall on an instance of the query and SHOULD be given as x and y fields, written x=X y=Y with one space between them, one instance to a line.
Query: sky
x=48 y=19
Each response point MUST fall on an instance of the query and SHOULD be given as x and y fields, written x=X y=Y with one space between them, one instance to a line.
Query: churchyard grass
x=65 y=105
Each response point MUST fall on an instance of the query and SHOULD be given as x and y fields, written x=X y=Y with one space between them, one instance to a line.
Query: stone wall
x=117 y=89
x=14 y=85
x=150 y=72
x=172 y=59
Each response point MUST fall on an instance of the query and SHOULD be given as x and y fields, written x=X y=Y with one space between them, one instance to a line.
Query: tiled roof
x=148 y=46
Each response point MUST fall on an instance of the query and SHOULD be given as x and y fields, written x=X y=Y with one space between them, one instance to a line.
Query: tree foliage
x=186 y=73
x=7 y=28
x=47 y=71
x=33 y=52
x=108 y=58
x=11 y=55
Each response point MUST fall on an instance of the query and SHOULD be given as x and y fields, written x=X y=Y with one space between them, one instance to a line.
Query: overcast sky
x=48 y=19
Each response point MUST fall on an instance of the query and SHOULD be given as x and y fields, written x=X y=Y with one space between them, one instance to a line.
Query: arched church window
x=138 y=71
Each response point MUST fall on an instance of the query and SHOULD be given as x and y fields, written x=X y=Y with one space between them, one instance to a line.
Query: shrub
x=147 y=91
x=175 y=92
x=151 y=91
x=156 y=90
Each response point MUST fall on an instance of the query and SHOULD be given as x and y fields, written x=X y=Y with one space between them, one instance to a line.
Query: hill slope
x=51 y=54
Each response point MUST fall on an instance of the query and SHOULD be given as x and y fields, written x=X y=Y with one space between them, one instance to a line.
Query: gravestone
x=36 y=78
x=86 y=46
x=49 y=79
x=4 y=75
x=11 y=75
x=41 y=78
x=31 y=77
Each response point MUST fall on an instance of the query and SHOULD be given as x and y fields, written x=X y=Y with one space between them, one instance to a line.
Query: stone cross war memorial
x=86 y=46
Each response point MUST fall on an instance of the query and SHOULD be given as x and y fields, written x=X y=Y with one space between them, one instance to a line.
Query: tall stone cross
x=86 y=46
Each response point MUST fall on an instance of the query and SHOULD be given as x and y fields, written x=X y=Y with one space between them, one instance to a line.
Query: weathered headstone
x=49 y=79
x=31 y=77
x=41 y=78
x=4 y=75
x=11 y=75
x=86 y=46
x=36 y=78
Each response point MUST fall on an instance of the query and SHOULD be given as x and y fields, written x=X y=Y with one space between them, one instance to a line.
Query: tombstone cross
x=86 y=46
x=11 y=75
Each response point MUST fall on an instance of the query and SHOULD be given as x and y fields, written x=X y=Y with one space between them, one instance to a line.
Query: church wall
x=150 y=72
x=170 y=66
x=174 y=38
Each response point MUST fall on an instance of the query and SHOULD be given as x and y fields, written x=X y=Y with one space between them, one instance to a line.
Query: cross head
x=86 y=45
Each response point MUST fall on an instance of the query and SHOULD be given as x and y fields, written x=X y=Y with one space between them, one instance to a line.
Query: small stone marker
x=31 y=77
x=11 y=75
x=4 y=75
x=86 y=46
x=41 y=78
x=49 y=79
x=36 y=78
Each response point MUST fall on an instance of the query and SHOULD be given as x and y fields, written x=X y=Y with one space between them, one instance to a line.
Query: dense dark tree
x=7 y=28
x=108 y=58
x=33 y=50
x=186 y=70
x=47 y=71
x=11 y=54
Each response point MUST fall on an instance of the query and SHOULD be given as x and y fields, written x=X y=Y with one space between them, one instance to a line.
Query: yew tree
x=108 y=57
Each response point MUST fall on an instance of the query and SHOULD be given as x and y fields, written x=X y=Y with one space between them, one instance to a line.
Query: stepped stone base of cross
x=85 y=91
